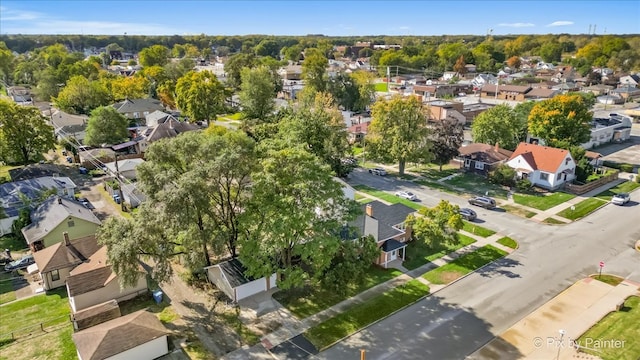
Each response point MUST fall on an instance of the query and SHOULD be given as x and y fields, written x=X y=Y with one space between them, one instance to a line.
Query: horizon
x=327 y=18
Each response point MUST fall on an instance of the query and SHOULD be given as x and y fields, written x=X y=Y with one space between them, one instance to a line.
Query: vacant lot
x=477 y=185
x=542 y=202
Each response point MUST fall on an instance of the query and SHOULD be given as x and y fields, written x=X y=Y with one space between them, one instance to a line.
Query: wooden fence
x=584 y=188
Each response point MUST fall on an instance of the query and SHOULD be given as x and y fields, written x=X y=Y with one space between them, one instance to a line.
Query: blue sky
x=331 y=17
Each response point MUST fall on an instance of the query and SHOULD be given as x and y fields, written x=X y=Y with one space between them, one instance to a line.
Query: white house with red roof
x=544 y=166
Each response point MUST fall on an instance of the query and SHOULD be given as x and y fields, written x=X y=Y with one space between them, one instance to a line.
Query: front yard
x=308 y=301
x=477 y=185
x=418 y=253
x=464 y=265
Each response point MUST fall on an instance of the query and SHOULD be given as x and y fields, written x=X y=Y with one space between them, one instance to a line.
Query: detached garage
x=229 y=276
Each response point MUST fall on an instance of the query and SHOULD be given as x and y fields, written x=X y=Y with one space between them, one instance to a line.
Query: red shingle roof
x=542 y=158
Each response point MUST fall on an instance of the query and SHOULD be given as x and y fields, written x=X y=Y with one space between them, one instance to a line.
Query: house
x=56 y=216
x=56 y=261
x=470 y=111
x=132 y=195
x=20 y=95
x=93 y=282
x=95 y=315
x=484 y=79
x=137 y=336
x=506 y=92
x=386 y=223
x=440 y=110
x=540 y=93
x=482 y=158
x=157 y=117
x=598 y=89
x=631 y=80
x=615 y=128
x=291 y=72
x=138 y=108
x=88 y=158
x=544 y=166
x=627 y=92
x=169 y=128
x=11 y=195
x=357 y=132
x=230 y=277
x=68 y=126
x=126 y=167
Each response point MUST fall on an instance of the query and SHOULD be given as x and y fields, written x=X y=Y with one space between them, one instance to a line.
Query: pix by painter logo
x=586 y=343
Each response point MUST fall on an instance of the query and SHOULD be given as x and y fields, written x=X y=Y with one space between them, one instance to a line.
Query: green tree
x=154 y=55
x=234 y=65
x=450 y=53
x=24 y=133
x=398 y=132
x=503 y=175
x=350 y=263
x=551 y=52
x=106 y=126
x=499 y=125
x=200 y=95
x=438 y=226
x=561 y=121
x=314 y=70
x=364 y=81
x=447 y=138
x=296 y=210
x=344 y=90
x=583 y=165
x=257 y=93
x=81 y=96
x=6 y=63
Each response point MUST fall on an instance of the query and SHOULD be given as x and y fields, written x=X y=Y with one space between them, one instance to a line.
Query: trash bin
x=157 y=296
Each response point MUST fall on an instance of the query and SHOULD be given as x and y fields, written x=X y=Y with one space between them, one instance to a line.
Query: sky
x=329 y=17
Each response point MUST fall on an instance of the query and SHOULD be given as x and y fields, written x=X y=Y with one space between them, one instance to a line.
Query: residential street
x=461 y=318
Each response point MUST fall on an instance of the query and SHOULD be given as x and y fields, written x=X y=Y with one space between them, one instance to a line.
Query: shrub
x=523 y=185
x=626 y=168
x=503 y=175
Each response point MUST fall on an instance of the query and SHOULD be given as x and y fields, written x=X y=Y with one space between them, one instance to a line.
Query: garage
x=230 y=277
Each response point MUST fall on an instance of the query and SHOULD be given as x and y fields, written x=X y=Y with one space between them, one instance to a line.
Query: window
x=467 y=162
x=479 y=165
x=55 y=275
x=70 y=223
x=544 y=176
x=566 y=162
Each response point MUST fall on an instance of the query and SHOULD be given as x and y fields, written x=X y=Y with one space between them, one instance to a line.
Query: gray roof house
x=10 y=193
x=138 y=108
x=168 y=129
x=158 y=117
x=230 y=277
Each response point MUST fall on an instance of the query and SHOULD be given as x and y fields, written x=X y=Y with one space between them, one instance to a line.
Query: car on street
x=620 y=199
x=407 y=195
x=468 y=214
x=483 y=201
x=378 y=171
x=22 y=263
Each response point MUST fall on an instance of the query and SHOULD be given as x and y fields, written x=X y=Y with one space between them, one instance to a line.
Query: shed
x=230 y=277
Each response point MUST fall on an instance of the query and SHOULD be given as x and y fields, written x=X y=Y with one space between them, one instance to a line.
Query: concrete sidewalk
x=575 y=310
x=291 y=326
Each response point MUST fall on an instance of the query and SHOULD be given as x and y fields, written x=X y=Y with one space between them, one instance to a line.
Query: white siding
x=50 y=284
x=251 y=288
x=5 y=225
x=215 y=276
x=109 y=292
x=147 y=351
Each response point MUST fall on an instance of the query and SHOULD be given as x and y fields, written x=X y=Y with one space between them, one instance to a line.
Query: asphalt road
x=461 y=318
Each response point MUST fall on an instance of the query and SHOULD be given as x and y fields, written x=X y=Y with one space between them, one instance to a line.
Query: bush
x=626 y=168
x=503 y=175
x=524 y=185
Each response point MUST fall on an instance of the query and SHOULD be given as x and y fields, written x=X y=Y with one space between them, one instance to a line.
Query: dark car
x=22 y=263
x=468 y=214
x=483 y=201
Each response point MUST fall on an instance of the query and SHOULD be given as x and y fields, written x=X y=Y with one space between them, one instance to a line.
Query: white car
x=378 y=171
x=407 y=195
x=620 y=199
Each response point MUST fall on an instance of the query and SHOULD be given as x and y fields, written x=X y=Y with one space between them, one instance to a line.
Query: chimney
x=59 y=200
x=369 y=210
x=497 y=147
x=67 y=242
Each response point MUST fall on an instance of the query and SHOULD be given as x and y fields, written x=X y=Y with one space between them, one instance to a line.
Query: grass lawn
x=619 y=325
x=508 y=242
x=236 y=116
x=542 y=202
x=432 y=171
x=477 y=229
x=390 y=198
x=516 y=210
x=464 y=265
x=552 y=221
x=12 y=243
x=582 y=209
x=365 y=200
x=380 y=87
x=6 y=288
x=475 y=184
x=361 y=315
x=308 y=301
x=625 y=187
x=608 y=279
x=53 y=344
x=418 y=253
x=357 y=150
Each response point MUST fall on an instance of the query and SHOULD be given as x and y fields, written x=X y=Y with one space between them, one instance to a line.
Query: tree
x=257 y=93
x=24 y=133
x=583 y=165
x=129 y=87
x=6 y=63
x=514 y=62
x=398 y=132
x=438 y=226
x=350 y=263
x=364 y=81
x=200 y=95
x=81 y=96
x=447 y=138
x=344 y=90
x=106 y=126
x=460 y=66
x=314 y=70
x=551 y=51
x=234 y=65
x=503 y=175
x=450 y=53
x=154 y=55
x=297 y=210
x=498 y=125
x=561 y=121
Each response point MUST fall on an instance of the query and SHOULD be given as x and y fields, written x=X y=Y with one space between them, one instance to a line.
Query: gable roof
x=234 y=272
x=60 y=119
x=543 y=158
x=387 y=216
x=92 y=274
x=124 y=165
x=170 y=128
x=61 y=255
x=51 y=213
x=118 y=335
x=31 y=188
x=138 y=105
x=494 y=153
x=541 y=93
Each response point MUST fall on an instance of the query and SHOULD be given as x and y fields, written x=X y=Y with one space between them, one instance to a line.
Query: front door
x=393 y=255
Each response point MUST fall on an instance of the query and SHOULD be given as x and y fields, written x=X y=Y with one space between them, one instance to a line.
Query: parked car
x=85 y=202
x=116 y=198
x=483 y=201
x=407 y=195
x=378 y=171
x=468 y=214
x=69 y=159
x=620 y=199
x=22 y=263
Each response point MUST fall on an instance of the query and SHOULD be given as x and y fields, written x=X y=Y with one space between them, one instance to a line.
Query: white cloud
x=517 y=25
x=18 y=15
x=404 y=28
x=561 y=23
